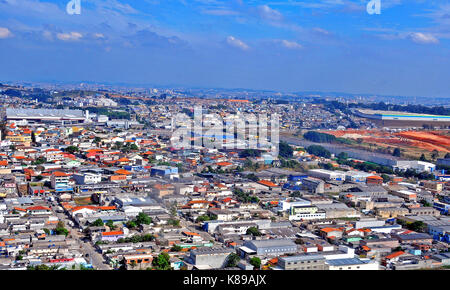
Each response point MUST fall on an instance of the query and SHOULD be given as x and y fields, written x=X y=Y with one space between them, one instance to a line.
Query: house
x=60 y=181
x=111 y=236
x=39 y=210
x=331 y=232
x=138 y=261
x=222 y=214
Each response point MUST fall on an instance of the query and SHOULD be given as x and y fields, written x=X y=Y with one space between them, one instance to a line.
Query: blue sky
x=286 y=45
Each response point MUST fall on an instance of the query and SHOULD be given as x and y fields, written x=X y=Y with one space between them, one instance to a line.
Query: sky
x=281 y=45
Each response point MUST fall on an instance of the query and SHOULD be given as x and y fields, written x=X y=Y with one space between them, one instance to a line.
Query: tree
x=285 y=150
x=110 y=225
x=97 y=223
x=71 y=149
x=252 y=177
x=386 y=178
x=342 y=155
x=203 y=218
x=161 y=262
x=143 y=219
x=232 y=260
x=434 y=154
x=250 y=153
x=319 y=137
x=256 y=262
x=176 y=248
x=299 y=241
x=397 y=152
x=318 y=151
x=131 y=224
x=61 y=230
x=296 y=194
x=173 y=222
x=417 y=226
x=423 y=158
x=253 y=231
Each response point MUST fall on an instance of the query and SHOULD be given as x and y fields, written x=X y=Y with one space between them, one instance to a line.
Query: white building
x=87 y=178
x=415 y=164
x=327 y=174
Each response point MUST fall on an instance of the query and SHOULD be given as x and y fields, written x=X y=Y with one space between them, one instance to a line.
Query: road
x=94 y=257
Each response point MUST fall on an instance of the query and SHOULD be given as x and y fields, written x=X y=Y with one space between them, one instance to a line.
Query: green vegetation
x=285 y=150
x=417 y=226
x=249 y=153
x=296 y=194
x=204 y=218
x=176 y=248
x=232 y=260
x=61 y=230
x=253 y=231
x=112 y=114
x=425 y=203
x=97 y=223
x=255 y=262
x=141 y=219
x=137 y=239
x=110 y=225
x=318 y=137
x=71 y=149
x=161 y=262
x=39 y=161
x=397 y=152
x=252 y=177
x=299 y=241
x=245 y=196
x=318 y=151
x=173 y=222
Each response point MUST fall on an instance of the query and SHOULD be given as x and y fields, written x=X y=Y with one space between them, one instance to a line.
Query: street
x=86 y=247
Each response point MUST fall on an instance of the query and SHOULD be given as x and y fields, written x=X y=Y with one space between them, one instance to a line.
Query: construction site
x=411 y=143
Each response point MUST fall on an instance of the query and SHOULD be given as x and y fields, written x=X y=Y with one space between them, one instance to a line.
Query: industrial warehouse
x=394 y=118
x=47 y=116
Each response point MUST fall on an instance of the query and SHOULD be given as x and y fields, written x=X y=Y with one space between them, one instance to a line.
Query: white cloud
x=5 y=33
x=220 y=12
x=99 y=35
x=69 y=36
x=290 y=44
x=268 y=13
x=232 y=41
x=423 y=38
x=47 y=35
x=321 y=31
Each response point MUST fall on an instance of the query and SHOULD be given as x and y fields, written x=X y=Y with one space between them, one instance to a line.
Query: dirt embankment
x=424 y=140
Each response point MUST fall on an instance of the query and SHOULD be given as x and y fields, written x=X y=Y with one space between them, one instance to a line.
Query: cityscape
x=191 y=173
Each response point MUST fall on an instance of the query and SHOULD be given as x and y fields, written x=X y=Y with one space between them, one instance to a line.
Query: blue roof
x=347 y=261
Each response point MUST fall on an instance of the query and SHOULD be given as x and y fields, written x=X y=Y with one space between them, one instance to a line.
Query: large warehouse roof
x=43 y=113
